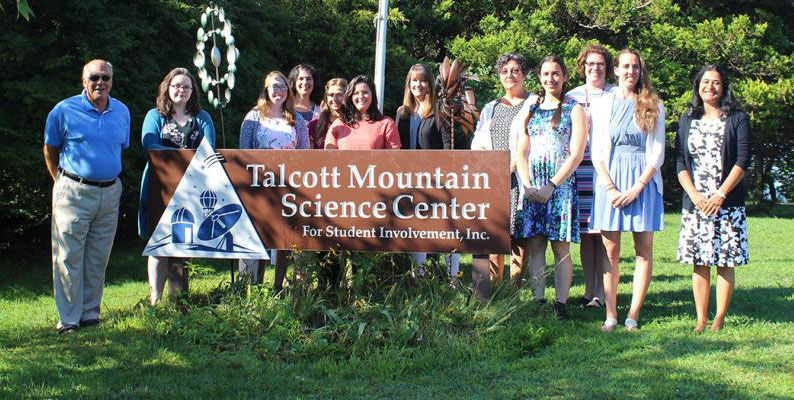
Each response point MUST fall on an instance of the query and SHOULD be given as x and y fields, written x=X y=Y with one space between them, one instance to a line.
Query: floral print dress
x=557 y=219
x=719 y=240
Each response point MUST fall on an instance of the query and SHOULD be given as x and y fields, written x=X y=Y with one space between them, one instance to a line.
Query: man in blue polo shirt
x=83 y=140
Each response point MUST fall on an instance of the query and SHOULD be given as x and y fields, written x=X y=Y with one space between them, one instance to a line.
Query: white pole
x=380 y=49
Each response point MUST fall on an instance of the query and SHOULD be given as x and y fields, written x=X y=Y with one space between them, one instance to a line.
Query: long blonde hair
x=409 y=102
x=264 y=102
x=646 y=103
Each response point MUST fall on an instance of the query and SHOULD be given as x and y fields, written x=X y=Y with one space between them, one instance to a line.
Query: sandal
x=67 y=329
x=595 y=302
x=609 y=325
x=631 y=325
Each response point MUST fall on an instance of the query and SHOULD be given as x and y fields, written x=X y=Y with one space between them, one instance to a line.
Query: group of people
x=584 y=164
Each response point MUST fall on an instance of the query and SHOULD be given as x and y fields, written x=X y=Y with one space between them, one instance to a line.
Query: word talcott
x=402 y=206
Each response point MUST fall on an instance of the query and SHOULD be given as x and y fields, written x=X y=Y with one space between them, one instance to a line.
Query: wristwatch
x=721 y=194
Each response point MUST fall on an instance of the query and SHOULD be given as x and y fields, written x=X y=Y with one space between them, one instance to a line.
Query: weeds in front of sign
x=346 y=305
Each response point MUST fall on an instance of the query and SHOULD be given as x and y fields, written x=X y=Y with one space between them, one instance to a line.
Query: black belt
x=80 y=179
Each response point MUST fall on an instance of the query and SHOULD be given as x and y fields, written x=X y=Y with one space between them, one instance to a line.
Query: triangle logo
x=205 y=217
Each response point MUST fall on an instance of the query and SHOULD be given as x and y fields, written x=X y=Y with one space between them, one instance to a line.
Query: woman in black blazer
x=419 y=130
x=714 y=148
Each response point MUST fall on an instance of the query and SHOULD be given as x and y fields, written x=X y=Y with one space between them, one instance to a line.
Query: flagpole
x=380 y=49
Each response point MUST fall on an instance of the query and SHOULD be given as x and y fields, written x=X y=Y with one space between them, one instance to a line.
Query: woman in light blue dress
x=627 y=152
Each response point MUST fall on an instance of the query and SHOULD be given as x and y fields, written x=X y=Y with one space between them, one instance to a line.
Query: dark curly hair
x=728 y=103
x=518 y=58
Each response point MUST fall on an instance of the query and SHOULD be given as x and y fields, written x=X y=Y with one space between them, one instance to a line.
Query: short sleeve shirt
x=90 y=143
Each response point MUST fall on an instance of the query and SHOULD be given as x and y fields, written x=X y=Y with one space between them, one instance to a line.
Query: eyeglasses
x=97 y=77
x=506 y=71
x=278 y=88
x=182 y=87
x=593 y=64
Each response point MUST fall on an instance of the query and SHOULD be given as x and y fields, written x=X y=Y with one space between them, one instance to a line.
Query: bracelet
x=721 y=194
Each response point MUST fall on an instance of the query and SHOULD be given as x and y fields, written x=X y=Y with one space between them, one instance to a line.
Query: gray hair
x=518 y=58
x=110 y=66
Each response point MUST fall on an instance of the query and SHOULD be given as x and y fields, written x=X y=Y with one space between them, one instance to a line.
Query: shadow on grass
x=117 y=361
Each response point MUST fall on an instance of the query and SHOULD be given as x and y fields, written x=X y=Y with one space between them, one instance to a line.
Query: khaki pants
x=84 y=220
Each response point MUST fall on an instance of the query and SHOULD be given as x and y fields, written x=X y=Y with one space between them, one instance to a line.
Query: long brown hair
x=164 y=104
x=409 y=102
x=555 y=120
x=264 y=102
x=324 y=119
x=646 y=103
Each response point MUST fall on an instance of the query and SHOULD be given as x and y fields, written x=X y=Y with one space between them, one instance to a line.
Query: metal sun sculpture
x=215 y=26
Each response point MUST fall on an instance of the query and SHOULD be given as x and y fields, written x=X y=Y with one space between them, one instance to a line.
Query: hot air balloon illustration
x=208 y=199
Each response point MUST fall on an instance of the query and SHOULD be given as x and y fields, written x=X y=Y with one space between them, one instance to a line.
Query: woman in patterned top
x=550 y=147
x=493 y=133
x=628 y=152
x=714 y=147
x=273 y=124
x=593 y=63
x=178 y=122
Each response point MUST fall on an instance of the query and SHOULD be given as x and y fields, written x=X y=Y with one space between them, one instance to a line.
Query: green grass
x=143 y=352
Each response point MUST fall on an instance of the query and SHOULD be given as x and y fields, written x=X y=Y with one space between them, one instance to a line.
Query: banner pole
x=380 y=50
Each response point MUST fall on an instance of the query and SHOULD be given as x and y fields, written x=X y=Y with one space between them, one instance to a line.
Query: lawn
x=509 y=349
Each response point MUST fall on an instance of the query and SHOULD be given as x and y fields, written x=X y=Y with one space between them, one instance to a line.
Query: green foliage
x=383 y=307
x=676 y=39
x=23 y=9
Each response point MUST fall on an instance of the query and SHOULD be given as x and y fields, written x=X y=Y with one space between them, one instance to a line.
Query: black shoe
x=559 y=311
x=89 y=322
x=67 y=329
x=539 y=301
x=583 y=301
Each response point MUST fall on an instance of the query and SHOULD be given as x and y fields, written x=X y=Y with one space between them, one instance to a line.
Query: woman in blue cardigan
x=178 y=122
x=714 y=148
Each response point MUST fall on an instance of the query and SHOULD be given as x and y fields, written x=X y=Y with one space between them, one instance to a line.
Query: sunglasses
x=96 y=77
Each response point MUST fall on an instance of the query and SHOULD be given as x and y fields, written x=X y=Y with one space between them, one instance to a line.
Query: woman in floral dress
x=714 y=148
x=550 y=147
